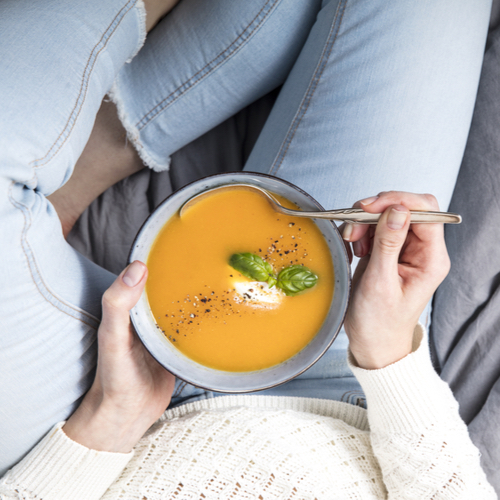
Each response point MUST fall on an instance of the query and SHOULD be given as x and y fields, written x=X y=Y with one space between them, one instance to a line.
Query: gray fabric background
x=466 y=315
x=465 y=328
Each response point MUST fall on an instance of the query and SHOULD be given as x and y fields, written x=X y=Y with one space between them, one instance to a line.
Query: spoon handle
x=359 y=216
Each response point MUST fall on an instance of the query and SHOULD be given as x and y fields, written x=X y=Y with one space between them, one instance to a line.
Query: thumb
x=388 y=241
x=122 y=296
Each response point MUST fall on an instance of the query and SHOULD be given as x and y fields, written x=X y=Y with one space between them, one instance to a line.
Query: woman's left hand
x=131 y=390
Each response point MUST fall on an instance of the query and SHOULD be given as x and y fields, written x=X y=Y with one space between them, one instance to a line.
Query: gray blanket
x=466 y=319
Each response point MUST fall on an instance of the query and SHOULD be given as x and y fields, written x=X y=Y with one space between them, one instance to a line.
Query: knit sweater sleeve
x=421 y=443
x=58 y=468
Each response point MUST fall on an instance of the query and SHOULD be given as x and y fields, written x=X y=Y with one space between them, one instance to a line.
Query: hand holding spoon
x=350 y=215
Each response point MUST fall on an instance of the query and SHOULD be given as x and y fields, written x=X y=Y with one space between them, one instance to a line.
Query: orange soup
x=215 y=315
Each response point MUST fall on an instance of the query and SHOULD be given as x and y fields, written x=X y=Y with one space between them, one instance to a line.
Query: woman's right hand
x=400 y=268
x=131 y=390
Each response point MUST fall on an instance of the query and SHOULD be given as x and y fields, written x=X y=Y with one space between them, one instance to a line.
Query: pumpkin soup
x=217 y=316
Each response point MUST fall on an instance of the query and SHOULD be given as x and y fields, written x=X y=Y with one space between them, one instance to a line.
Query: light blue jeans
x=375 y=96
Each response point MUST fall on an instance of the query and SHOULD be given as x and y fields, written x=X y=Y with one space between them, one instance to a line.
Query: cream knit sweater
x=409 y=444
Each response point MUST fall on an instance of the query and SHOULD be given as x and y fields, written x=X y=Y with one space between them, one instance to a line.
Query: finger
x=413 y=201
x=122 y=296
x=388 y=241
x=362 y=247
x=354 y=232
x=361 y=237
x=360 y=240
x=358 y=235
x=427 y=259
x=342 y=229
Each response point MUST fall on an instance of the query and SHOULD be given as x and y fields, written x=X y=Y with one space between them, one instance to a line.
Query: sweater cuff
x=407 y=394
x=58 y=467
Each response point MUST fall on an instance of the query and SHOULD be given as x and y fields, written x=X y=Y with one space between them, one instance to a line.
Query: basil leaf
x=253 y=267
x=295 y=279
x=272 y=281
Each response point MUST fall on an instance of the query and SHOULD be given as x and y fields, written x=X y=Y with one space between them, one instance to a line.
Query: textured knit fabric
x=409 y=444
x=58 y=468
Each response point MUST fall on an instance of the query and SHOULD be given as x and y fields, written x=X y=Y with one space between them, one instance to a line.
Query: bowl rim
x=334 y=334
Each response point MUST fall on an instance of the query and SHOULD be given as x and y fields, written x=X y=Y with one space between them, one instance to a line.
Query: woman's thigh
x=380 y=98
x=59 y=60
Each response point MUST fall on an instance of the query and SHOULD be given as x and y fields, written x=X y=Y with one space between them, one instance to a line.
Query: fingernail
x=396 y=219
x=357 y=248
x=134 y=274
x=369 y=201
x=347 y=232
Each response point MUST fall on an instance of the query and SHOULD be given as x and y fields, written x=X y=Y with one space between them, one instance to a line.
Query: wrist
x=378 y=355
x=101 y=426
x=377 y=362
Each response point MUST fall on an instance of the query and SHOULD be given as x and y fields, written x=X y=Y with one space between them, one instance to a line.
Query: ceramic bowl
x=239 y=382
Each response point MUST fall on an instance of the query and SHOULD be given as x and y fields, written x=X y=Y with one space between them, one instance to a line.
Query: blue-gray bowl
x=240 y=382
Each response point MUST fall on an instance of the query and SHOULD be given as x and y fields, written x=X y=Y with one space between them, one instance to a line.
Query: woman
x=357 y=104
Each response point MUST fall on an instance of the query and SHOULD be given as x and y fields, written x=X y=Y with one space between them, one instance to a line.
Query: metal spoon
x=351 y=215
